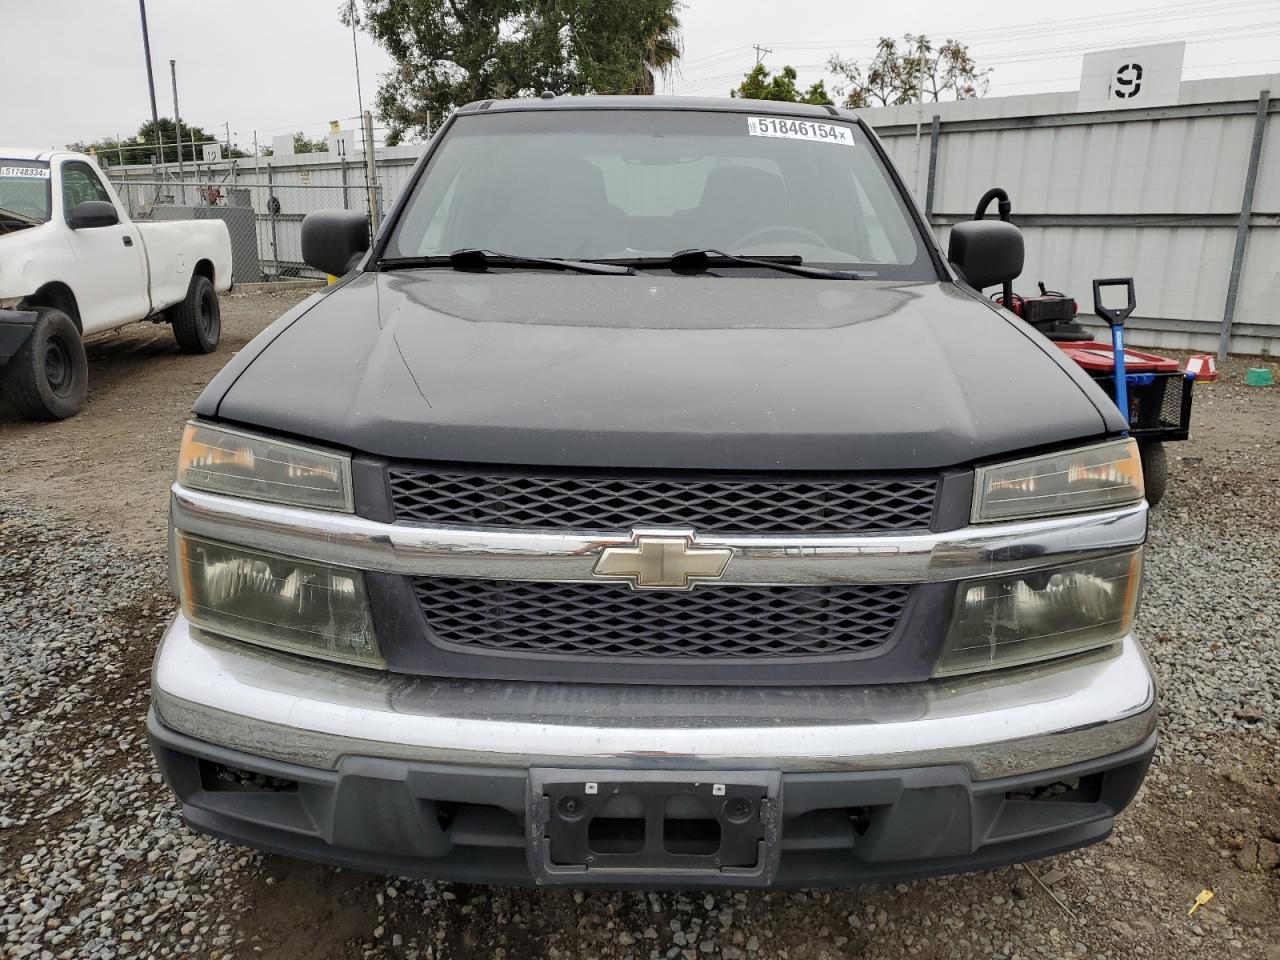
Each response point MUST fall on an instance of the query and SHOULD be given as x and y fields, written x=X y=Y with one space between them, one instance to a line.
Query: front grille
x=612 y=620
x=707 y=504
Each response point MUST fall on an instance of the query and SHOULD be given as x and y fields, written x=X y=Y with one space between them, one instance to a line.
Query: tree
x=663 y=49
x=302 y=145
x=758 y=85
x=142 y=148
x=897 y=75
x=450 y=52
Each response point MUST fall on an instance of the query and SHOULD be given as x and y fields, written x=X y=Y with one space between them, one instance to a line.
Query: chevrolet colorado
x=653 y=502
x=72 y=263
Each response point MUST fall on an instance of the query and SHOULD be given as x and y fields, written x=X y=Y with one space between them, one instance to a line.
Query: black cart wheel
x=1155 y=469
x=197 y=320
x=48 y=377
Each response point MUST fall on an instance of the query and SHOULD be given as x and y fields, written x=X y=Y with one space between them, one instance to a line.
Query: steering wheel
x=779 y=229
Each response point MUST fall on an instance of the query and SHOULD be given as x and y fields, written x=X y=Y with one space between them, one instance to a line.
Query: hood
x=661 y=371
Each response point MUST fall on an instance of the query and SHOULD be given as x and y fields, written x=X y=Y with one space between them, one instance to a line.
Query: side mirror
x=987 y=252
x=334 y=240
x=92 y=213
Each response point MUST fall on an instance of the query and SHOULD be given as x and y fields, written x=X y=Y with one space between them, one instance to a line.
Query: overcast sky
x=74 y=69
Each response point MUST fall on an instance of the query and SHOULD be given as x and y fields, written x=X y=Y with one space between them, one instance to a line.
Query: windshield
x=637 y=184
x=24 y=191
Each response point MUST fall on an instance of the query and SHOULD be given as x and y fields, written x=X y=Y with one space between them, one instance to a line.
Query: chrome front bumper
x=498 y=553
x=314 y=714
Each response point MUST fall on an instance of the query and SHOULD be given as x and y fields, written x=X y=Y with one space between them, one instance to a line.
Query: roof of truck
x=26 y=153
x=734 y=104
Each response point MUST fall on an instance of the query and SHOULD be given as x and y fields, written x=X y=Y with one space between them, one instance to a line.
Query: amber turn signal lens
x=238 y=464
x=1097 y=477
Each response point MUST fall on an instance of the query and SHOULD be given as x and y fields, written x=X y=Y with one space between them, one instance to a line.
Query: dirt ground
x=140 y=393
x=1203 y=821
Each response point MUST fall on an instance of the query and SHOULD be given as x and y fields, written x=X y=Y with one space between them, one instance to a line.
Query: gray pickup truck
x=653 y=502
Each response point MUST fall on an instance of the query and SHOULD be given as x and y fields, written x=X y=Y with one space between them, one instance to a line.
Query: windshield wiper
x=478 y=261
x=14 y=215
x=700 y=260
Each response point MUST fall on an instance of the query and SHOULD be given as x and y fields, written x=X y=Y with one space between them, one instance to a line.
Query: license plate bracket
x=611 y=826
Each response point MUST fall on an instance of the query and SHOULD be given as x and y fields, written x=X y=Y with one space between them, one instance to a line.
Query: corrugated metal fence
x=1156 y=194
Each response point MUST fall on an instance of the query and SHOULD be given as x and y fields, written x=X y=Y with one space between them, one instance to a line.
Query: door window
x=79 y=183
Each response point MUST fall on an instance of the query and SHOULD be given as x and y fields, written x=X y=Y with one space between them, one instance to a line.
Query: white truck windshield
x=634 y=184
x=24 y=192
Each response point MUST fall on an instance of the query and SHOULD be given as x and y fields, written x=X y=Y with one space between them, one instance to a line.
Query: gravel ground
x=95 y=862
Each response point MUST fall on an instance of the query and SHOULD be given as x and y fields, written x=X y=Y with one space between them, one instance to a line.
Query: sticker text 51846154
x=800 y=130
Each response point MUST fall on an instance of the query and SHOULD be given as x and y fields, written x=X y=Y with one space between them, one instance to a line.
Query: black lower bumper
x=15 y=330
x=470 y=823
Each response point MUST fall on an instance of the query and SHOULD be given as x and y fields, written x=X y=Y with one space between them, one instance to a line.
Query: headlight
x=219 y=460
x=302 y=607
x=1010 y=620
x=1091 y=478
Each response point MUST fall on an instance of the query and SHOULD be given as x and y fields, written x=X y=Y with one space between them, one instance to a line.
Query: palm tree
x=663 y=49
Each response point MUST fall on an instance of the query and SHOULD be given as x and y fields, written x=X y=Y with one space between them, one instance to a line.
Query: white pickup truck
x=72 y=263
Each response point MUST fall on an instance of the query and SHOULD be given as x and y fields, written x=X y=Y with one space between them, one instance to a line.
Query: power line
x=1235 y=31
x=1165 y=12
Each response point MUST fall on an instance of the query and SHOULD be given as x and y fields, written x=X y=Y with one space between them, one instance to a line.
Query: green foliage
x=759 y=85
x=450 y=52
x=900 y=74
x=302 y=145
x=142 y=148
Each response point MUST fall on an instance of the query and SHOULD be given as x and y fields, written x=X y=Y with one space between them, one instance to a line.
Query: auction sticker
x=800 y=130
x=38 y=173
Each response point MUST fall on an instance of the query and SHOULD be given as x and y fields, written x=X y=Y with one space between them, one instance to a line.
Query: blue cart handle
x=1115 y=320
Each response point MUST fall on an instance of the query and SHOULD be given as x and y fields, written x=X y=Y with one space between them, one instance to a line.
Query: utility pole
x=760 y=53
x=151 y=86
x=371 y=173
x=177 y=127
x=226 y=126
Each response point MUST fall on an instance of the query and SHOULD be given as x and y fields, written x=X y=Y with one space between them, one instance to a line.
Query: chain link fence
x=263 y=218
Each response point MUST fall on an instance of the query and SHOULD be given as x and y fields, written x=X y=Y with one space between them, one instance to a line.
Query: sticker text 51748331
x=800 y=130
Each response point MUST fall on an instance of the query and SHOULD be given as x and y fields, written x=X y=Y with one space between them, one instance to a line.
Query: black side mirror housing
x=92 y=213
x=987 y=252
x=333 y=241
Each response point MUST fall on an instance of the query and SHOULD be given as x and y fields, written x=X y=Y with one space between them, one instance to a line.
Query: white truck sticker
x=36 y=173
x=800 y=130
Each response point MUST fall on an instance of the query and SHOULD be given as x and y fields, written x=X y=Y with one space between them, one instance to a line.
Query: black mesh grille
x=1157 y=405
x=618 y=503
x=612 y=620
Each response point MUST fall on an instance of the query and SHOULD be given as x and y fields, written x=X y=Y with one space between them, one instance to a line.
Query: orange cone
x=1203 y=367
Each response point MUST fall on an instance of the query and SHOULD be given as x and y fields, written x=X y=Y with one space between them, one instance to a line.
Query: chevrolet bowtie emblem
x=662 y=562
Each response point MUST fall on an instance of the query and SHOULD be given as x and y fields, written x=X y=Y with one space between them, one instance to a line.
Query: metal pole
x=226 y=125
x=151 y=85
x=371 y=173
x=177 y=127
x=915 y=174
x=271 y=210
x=933 y=164
x=1242 y=225
x=355 y=53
